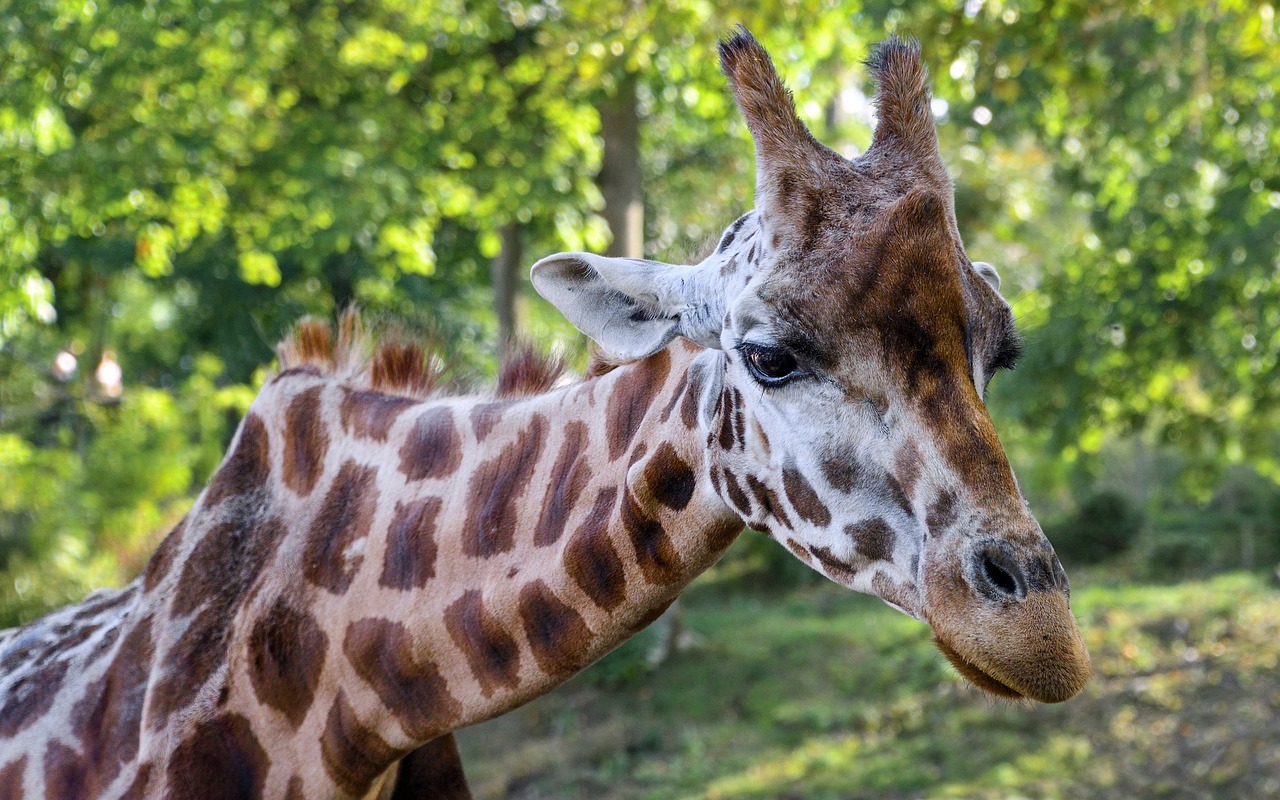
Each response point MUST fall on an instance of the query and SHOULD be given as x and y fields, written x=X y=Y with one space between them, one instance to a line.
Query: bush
x=1102 y=528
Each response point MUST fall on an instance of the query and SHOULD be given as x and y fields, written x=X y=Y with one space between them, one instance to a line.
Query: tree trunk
x=622 y=185
x=620 y=179
x=504 y=270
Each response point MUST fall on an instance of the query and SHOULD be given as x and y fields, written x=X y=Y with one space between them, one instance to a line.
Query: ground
x=821 y=694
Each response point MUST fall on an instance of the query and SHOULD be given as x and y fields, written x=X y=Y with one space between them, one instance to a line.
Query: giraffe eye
x=770 y=366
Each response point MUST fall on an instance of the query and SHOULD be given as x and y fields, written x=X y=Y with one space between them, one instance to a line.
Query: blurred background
x=179 y=181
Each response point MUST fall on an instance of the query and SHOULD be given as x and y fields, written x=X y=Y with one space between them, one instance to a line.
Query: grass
x=823 y=694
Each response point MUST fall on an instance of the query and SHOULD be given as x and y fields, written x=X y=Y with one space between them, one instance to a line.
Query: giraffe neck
x=464 y=556
x=366 y=573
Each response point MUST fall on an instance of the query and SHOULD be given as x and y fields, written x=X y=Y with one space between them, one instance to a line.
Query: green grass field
x=824 y=694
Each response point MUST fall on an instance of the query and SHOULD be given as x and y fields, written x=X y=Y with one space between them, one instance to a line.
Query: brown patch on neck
x=108 y=719
x=162 y=560
x=496 y=490
x=490 y=651
x=286 y=655
x=343 y=519
x=557 y=634
x=31 y=699
x=569 y=477
x=590 y=558
x=216 y=577
x=224 y=753
x=370 y=415
x=631 y=398
x=433 y=448
x=670 y=479
x=11 y=776
x=410 y=557
x=353 y=753
x=653 y=549
x=306 y=442
x=433 y=770
x=248 y=468
x=382 y=654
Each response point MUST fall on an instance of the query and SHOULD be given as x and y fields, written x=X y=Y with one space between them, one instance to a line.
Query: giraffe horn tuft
x=903 y=98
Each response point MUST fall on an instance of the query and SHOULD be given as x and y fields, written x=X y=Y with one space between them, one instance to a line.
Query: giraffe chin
x=974 y=674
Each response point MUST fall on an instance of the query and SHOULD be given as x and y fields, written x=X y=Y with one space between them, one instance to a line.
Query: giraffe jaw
x=975 y=674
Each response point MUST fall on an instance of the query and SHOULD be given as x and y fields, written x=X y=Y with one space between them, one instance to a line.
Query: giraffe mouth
x=975 y=674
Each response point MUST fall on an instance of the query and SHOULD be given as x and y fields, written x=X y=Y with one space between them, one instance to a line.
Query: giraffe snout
x=1001 y=614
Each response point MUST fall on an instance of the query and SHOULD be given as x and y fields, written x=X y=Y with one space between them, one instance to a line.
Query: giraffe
x=377 y=564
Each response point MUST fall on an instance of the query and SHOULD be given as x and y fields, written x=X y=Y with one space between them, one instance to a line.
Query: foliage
x=180 y=181
x=1104 y=527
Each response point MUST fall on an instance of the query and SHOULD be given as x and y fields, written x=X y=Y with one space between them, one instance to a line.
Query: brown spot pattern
x=804 y=499
x=490 y=651
x=66 y=773
x=484 y=417
x=841 y=472
x=370 y=415
x=433 y=448
x=669 y=477
x=293 y=791
x=108 y=719
x=433 y=770
x=834 y=566
x=798 y=550
x=162 y=559
x=909 y=464
x=737 y=497
x=11 y=777
x=632 y=395
x=382 y=654
x=654 y=552
x=590 y=558
x=30 y=697
x=899 y=495
x=352 y=753
x=689 y=402
x=558 y=636
x=767 y=500
x=410 y=559
x=222 y=567
x=569 y=477
x=873 y=537
x=286 y=655
x=222 y=757
x=495 y=492
x=942 y=513
x=141 y=782
x=305 y=442
x=344 y=518
x=727 y=410
x=247 y=468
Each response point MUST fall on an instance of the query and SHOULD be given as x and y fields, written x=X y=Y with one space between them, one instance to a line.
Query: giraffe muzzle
x=1001 y=615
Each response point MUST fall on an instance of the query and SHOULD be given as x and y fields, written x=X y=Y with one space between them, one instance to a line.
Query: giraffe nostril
x=997 y=574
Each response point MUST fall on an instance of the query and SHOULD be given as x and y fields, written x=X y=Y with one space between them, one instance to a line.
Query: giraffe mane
x=384 y=358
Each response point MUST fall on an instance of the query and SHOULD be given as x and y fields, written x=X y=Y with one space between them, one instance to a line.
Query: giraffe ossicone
x=376 y=565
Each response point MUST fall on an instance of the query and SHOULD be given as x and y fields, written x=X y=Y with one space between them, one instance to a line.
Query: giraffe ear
x=631 y=307
x=988 y=274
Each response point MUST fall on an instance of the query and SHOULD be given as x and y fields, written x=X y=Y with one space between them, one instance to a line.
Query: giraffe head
x=850 y=341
